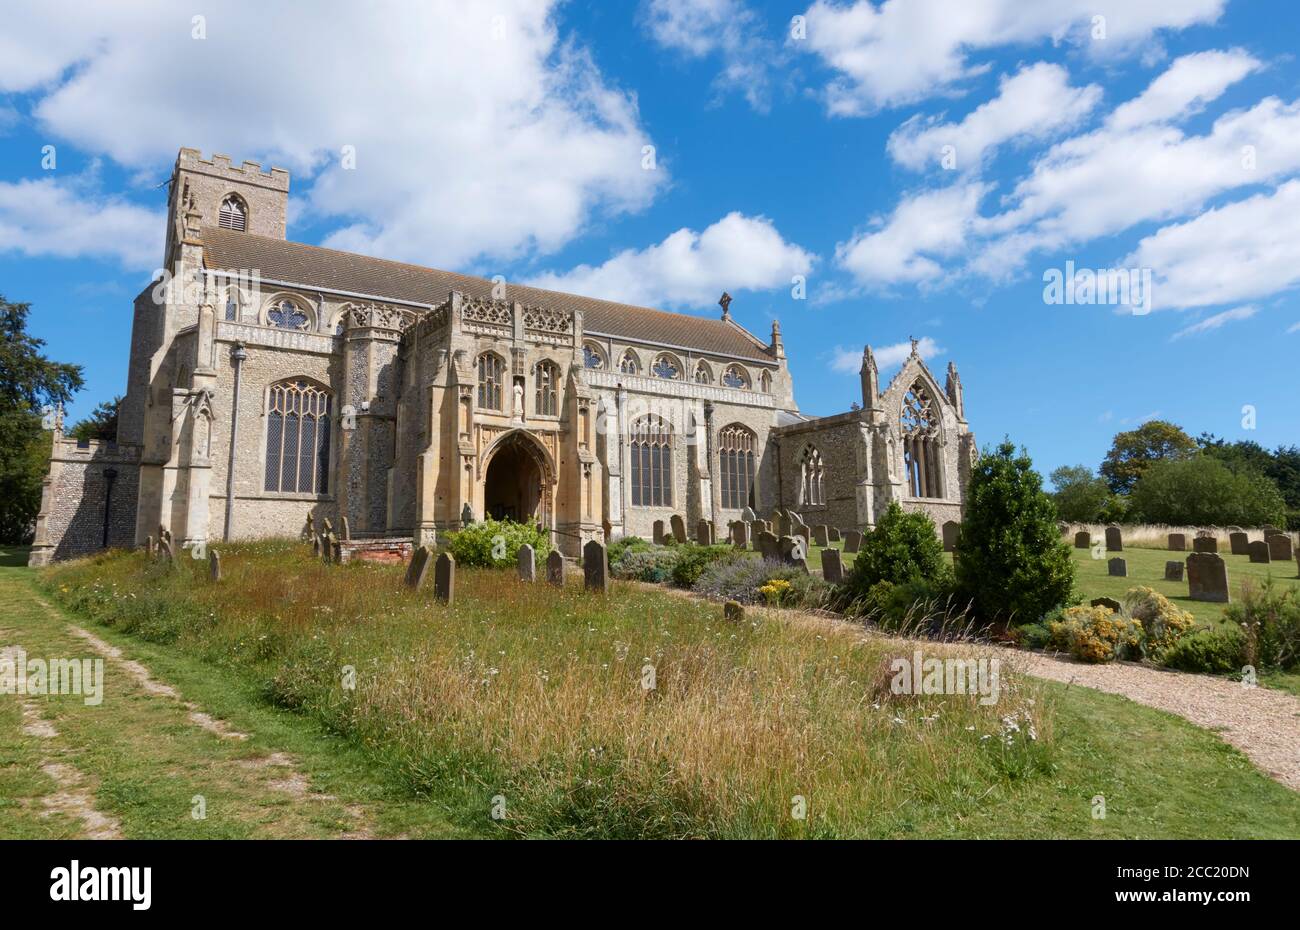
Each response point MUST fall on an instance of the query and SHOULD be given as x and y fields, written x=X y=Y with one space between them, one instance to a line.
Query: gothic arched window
x=297 y=437
x=736 y=466
x=811 y=473
x=918 y=423
x=545 y=378
x=286 y=314
x=703 y=374
x=592 y=357
x=765 y=382
x=233 y=214
x=232 y=305
x=735 y=377
x=491 y=372
x=650 y=442
x=629 y=365
x=666 y=367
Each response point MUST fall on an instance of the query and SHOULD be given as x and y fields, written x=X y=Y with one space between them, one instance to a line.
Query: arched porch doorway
x=516 y=483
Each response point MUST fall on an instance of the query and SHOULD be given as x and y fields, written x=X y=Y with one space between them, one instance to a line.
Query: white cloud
x=849 y=361
x=904 y=247
x=1218 y=320
x=65 y=218
x=1191 y=81
x=480 y=132
x=1034 y=103
x=727 y=30
x=900 y=51
x=1241 y=251
x=690 y=268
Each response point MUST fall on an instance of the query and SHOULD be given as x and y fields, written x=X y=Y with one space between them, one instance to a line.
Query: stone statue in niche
x=519 y=401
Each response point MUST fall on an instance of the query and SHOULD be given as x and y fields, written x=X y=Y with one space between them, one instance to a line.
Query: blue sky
x=920 y=164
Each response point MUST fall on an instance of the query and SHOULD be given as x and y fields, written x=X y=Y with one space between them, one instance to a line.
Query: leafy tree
x=903 y=547
x=1133 y=452
x=1204 y=491
x=1011 y=562
x=101 y=424
x=1080 y=495
x=1282 y=464
x=28 y=381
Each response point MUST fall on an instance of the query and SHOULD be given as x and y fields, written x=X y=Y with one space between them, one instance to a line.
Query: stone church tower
x=270 y=381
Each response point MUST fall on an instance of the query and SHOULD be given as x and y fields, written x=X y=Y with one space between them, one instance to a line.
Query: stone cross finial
x=915 y=342
x=725 y=302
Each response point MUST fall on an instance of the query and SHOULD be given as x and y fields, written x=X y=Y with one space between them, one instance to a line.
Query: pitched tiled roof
x=328 y=269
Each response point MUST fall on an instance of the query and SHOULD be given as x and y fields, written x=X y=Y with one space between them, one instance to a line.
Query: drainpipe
x=238 y=356
x=110 y=474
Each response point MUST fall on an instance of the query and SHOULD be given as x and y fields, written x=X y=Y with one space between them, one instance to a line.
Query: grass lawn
x=535 y=700
x=1147 y=567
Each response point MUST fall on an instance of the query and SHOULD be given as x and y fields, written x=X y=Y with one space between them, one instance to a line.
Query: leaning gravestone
x=1117 y=568
x=950 y=531
x=852 y=541
x=1260 y=553
x=556 y=568
x=346 y=529
x=679 y=528
x=1177 y=542
x=214 y=565
x=444 y=579
x=659 y=532
x=1207 y=577
x=1279 y=547
x=1205 y=544
x=835 y=534
x=1173 y=571
x=822 y=534
x=796 y=519
x=832 y=567
x=768 y=545
x=1108 y=602
x=748 y=515
x=417 y=572
x=1114 y=539
x=1083 y=540
x=595 y=565
x=527 y=562
x=1239 y=543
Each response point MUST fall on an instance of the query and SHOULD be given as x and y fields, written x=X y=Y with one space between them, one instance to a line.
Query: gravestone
x=1173 y=571
x=327 y=527
x=1114 y=539
x=950 y=531
x=1270 y=530
x=679 y=527
x=149 y=547
x=310 y=531
x=315 y=546
x=852 y=541
x=1207 y=544
x=556 y=568
x=327 y=546
x=835 y=534
x=748 y=515
x=346 y=529
x=768 y=545
x=595 y=564
x=822 y=534
x=1108 y=602
x=1177 y=542
x=1083 y=540
x=756 y=527
x=1239 y=543
x=1207 y=577
x=794 y=551
x=832 y=567
x=1260 y=553
x=784 y=526
x=417 y=570
x=336 y=550
x=527 y=562
x=1279 y=547
x=214 y=565
x=796 y=519
x=444 y=579
x=1117 y=568
x=739 y=534
x=804 y=532
x=659 y=532
x=702 y=533
x=733 y=612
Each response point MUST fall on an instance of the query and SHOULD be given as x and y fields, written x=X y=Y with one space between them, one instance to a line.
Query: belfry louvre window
x=546 y=375
x=298 y=438
x=736 y=466
x=233 y=215
x=490 y=371
x=652 y=462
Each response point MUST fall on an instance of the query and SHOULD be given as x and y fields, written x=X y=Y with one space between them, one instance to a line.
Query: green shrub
x=917 y=605
x=1269 y=619
x=619 y=547
x=692 y=559
x=903 y=548
x=1207 y=651
x=1011 y=562
x=651 y=563
x=1033 y=635
x=1162 y=622
x=495 y=543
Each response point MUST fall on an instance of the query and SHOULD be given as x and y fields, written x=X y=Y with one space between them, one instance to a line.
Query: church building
x=270 y=381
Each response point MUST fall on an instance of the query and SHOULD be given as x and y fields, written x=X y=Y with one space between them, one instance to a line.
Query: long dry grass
x=1156 y=535
x=534 y=700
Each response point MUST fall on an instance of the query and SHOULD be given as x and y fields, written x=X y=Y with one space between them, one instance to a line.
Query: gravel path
x=1261 y=722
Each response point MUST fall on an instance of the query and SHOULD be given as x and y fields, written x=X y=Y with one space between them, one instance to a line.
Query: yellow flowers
x=774 y=590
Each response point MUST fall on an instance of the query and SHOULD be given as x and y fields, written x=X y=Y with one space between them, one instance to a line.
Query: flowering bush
x=654 y=564
x=775 y=590
x=1162 y=622
x=1095 y=634
x=741 y=577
